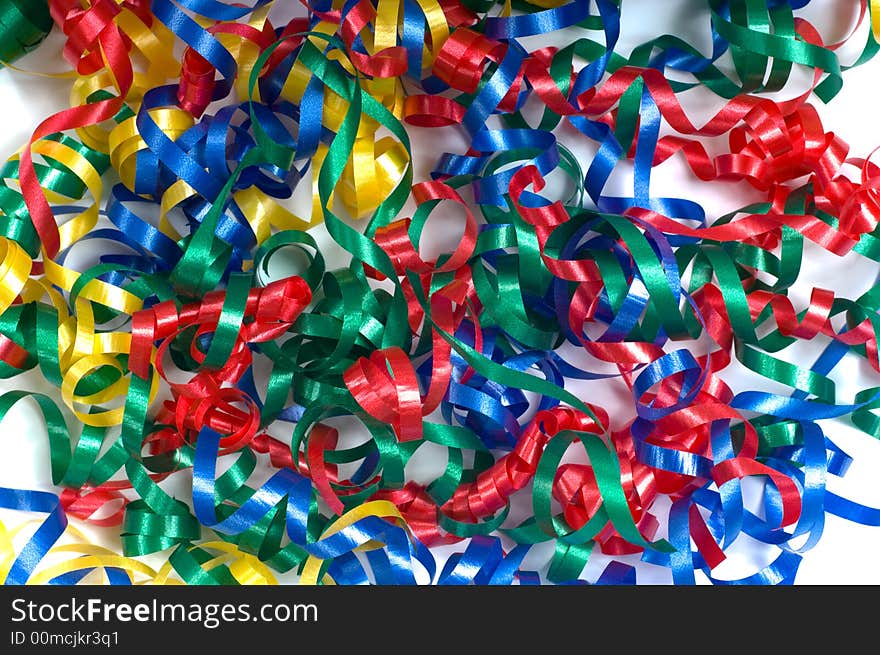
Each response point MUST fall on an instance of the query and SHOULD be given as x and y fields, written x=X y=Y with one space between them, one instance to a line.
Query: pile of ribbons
x=139 y=229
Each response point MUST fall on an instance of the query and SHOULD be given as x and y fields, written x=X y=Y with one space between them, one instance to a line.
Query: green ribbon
x=23 y=26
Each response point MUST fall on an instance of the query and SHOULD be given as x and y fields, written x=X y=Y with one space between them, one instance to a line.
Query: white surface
x=846 y=554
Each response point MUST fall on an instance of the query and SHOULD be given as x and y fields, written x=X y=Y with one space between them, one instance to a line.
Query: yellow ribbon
x=380 y=508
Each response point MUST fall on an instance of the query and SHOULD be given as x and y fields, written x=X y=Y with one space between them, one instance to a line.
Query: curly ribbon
x=23 y=26
x=468 y=352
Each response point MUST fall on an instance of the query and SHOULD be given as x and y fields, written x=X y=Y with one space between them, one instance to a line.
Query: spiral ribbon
x=179 y=353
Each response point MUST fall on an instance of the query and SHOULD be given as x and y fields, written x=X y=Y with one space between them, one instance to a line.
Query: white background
x=847 y=552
